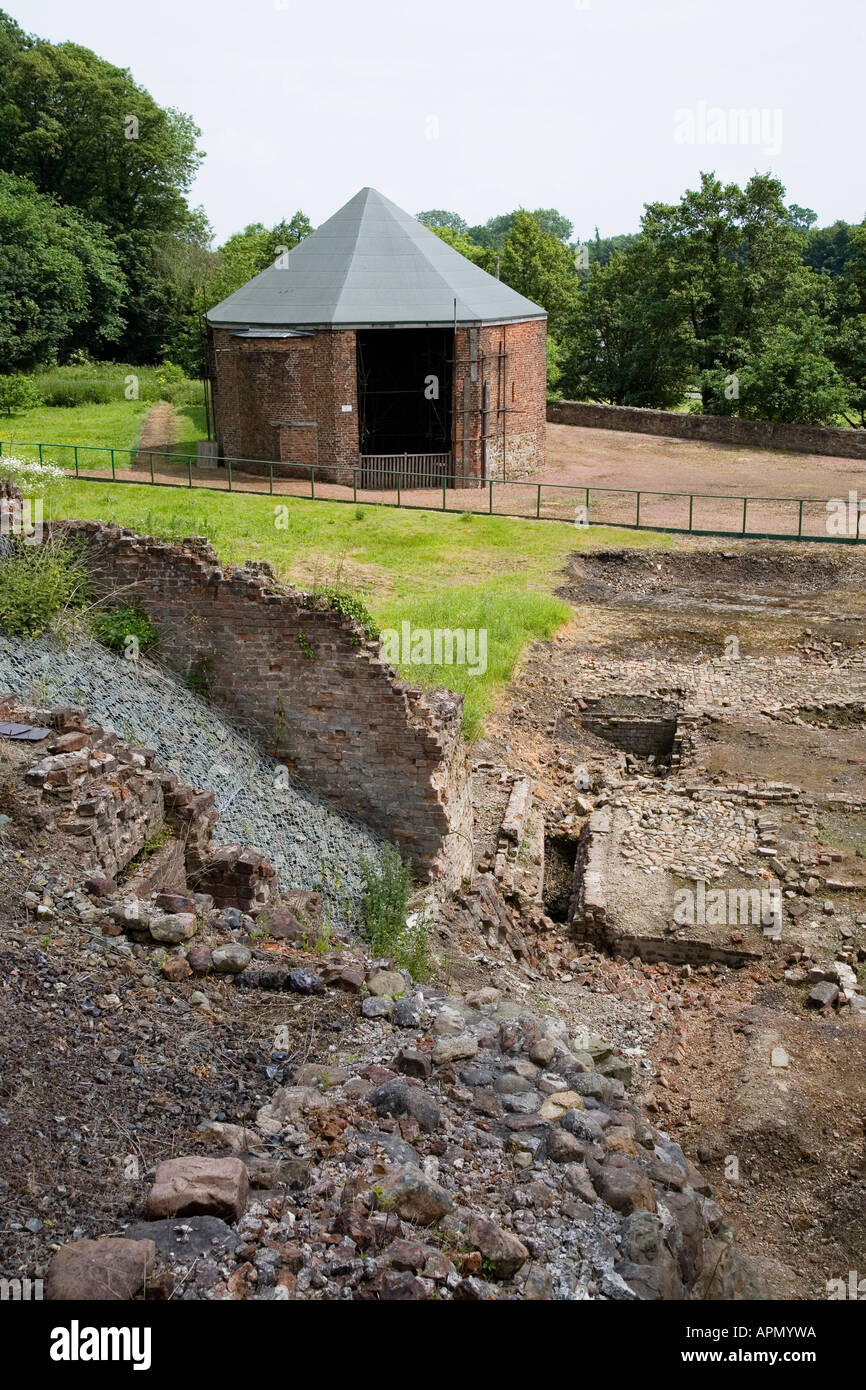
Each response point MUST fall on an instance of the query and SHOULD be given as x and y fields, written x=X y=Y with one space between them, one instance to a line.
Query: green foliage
x=306 y=646
x=38 y=583
x=541 y=267
x=437 y=218
x=99 y=383
x=18 y=393
x=61 y=284
x=114 y=626
x=200 y=675
x=350 y=605
x=384 y=910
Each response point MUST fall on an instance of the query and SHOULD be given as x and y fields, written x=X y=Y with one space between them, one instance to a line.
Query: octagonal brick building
x=373 y=349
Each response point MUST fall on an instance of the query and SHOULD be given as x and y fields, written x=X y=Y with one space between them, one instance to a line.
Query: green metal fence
x=662 y=509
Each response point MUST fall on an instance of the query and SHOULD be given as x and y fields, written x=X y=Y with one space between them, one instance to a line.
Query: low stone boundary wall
x=721 y=429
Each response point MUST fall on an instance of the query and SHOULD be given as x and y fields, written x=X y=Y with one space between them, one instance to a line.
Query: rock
x=199 y=1185
x=183 y=1240
x=538 y=1284
x=199 y=959
x=391 y=1098
x=625 y=1189
x=387 y=984
x=822 y=994
x=501 y=1252
x=373 y=1007
x=482 y=997
x=580 y=1183
x=405 y=1255
x=175 y=968
x=405 y=1014
x=112 y=1269
x=411 y=1062
x=557 y=1104
x=395 y=1285
x=562 y=1147
x=510 y=1084
x=173 y=927
x=542 y=1052
x=454 y=1049
x=615 y=1069
x=414 y=1196
x=305 y=982
x=525 y=1103
x=231 y=959
x=583 y=1124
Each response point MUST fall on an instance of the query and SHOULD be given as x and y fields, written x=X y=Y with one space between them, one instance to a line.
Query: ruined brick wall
x=282 y=399
x=760 y=434
x=306 y=683
x=500 y=379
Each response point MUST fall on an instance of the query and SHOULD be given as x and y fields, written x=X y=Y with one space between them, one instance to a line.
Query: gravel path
x=309 y=844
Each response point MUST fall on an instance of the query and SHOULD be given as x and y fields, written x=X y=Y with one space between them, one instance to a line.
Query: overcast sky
x=591 y=106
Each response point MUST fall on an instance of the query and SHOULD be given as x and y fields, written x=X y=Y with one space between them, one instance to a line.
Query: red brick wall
x=516 y=395
x=281 y=400
x=302 y=679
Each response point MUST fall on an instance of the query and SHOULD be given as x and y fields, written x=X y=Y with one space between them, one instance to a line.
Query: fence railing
x=404 y=470
x=838 y=520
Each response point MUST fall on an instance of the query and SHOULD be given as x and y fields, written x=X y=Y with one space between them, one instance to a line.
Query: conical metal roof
x=372 y=265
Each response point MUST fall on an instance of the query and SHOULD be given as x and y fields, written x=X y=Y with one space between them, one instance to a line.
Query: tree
x=479 y=255
x=84 y=132
x=437 y=218
x=213 y=276
x=537 y=264
x=791 y=378
x=736 y=263
x=628 y=341
x=61 y=285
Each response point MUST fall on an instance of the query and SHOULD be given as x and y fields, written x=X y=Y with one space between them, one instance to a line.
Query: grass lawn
x=425 y=568
x=116 y=424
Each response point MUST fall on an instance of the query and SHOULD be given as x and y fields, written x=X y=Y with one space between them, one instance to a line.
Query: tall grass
x=100 y=383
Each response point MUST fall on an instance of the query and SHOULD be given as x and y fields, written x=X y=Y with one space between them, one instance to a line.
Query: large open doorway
x=404 y=395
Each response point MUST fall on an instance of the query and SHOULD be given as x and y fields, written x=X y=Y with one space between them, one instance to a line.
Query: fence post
x=40 y=453
x=189 y=468
x=538 y=504
x=113 y=469
x=399 y=485
x=75 y=456
x=312 y=483
x=745 y=505
x=151 y=466
x=271 y=475
x=229 y=468
x=637 y=513
x=800 y=522
x=354 y=484
x=490 y=502
x=444 y=486
x=691 y=508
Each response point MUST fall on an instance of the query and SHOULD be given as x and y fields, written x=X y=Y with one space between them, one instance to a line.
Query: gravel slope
x=309 y=844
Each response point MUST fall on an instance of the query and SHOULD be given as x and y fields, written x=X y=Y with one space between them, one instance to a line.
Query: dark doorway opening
x=404 y=390
x=560 y=855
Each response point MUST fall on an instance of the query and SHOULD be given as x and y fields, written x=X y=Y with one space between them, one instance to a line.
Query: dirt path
x=159 y=432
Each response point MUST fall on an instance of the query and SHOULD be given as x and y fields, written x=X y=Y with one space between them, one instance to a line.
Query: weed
x=385 y=921
x=113 y=627
x=39 y=584
x=306 y=646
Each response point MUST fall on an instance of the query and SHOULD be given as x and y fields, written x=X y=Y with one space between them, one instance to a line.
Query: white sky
x=541 y=103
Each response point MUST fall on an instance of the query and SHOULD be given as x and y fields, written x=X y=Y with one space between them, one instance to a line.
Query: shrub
x=384 y=913
x=37 y=584
x=350 y=605
x=114 y=627
x=18 y=393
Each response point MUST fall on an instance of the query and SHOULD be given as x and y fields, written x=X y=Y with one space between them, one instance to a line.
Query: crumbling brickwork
x=306 y=682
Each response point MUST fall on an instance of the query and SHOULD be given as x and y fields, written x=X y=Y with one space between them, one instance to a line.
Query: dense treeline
x=728 y=297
